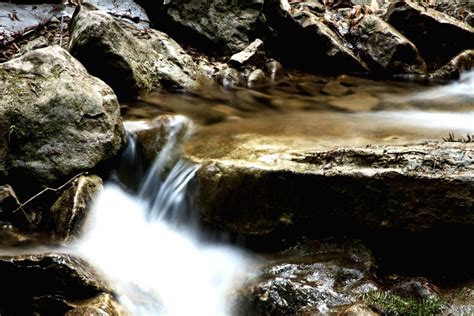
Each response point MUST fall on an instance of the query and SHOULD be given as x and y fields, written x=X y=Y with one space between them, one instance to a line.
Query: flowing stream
x=149 y=244
x=151 y=249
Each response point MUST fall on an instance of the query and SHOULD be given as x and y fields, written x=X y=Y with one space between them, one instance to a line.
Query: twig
x=49 y=189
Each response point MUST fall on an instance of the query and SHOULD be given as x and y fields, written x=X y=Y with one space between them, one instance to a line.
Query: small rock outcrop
x=437 y=36
x=385 y=49
x=70 y=209
x=310 y=278
x=252 y=55
x=219 y=26
x=57 y=120
x=129 y=59
x=456 y=66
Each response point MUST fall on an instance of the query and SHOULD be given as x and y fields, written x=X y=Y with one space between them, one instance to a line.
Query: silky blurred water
x=150 y=248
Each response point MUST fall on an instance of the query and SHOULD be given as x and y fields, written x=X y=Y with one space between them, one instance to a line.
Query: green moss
x=396 y=305
x=18 y=129
x=57 y=70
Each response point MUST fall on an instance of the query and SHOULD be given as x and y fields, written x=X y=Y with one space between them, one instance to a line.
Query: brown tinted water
x=328 y=110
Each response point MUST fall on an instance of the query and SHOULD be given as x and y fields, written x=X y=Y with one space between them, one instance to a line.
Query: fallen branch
x=49 y=189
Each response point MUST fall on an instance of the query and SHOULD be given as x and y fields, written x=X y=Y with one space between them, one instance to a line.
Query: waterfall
x=149 y=247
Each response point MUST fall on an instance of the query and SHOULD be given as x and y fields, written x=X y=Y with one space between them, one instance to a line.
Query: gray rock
x=310 y=278
x=252 y=55
x=70 y=209
x=452 y=70
x=318 y=47
x=437 y=36
x=129 y=59
x=386 y=50
x=274 y=70
x=230 y=78
x=417 y=288
x=57 y=120
x=47 y=284
x=257 y=79
x=460 y=299
x=154 y=135
x=221 y=26
x=39 y=42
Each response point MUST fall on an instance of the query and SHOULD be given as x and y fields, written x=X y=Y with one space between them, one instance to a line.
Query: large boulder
x=225 y=26
x=328 y=48
x=129 y=59
x=385 y=49
x=57 y=120
x=303 y=39
x=50 y=284
x=437 y=36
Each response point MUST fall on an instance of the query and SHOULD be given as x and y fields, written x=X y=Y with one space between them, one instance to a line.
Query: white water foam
x=462 y=88
x=462 y=122
x=144 y=245
x=159 y=270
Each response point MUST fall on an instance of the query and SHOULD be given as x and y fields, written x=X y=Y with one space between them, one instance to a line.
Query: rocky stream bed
x=330 y=142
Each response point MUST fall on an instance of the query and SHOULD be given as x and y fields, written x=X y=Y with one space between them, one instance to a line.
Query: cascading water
x=149 y=248
x=462 y=88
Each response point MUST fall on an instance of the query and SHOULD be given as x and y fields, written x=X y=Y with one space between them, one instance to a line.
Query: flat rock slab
x=254 y=183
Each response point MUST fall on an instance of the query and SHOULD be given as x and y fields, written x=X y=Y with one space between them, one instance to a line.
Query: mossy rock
x=57 y=120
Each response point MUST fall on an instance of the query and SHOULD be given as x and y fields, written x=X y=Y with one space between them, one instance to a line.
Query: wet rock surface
x=102 y=305
x=45 y=283
x=460 y=299
x=70 y=210
x=51 y=126
x=456 y=66
x=437 y=36
x=129 y=59
x=385 y=49
x=311 y=277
